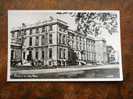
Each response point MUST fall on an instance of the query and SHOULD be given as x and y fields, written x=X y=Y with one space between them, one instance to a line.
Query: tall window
x=59 y=38
x=60 y=51
x=13 y=34
x=37 y=41
x=37 y=30
x=46 y=38
x=29 y=57
x=30 y=31
x=50 y=28
x=64 y=55
x=50 y=38
x=19 y=33
x=36 y=54
x=43 y=29
x=12 y=54
x=63 y=39
x=43 y=40
x=23 y=55
x=30 y=41
x=50 y=52
x=42 y=54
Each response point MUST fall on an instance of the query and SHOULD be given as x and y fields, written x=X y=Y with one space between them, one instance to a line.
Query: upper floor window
x=43 y=40
x=50 y=28
x=59 y=38
x=13 y=34
x=37 y=41
x=37 y=30
x=30 y=31
x=30 y=41
x=43 y=29
x=63 y=39
x=50 y=39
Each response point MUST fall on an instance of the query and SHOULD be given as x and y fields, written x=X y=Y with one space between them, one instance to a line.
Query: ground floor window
x=50 y=52
x=36 y=54
x=29 y=57
x=23 y=55
x=12 y=54
x=49 y=62
x=64 y=55
x=42 y=54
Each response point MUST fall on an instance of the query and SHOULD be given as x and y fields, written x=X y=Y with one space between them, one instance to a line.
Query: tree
x=93 y=22
x=72 y=57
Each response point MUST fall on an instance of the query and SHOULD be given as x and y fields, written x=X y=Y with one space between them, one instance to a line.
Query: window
x=60 y=51
x=37 y=41
x=13 y=34
x=19 y=33
x=36 y=54
x=42 y=54
x=30 y=31
x=46 y=37
x=12 y=54
x=50 y=52
x=29 y=57
x=43 y=40
x=50 y=28
x=64 y=53
x=37 y=30
x=43 y=28
x=23 y=55
x=23 y=32
x=63 y=39
x=50 y=38
x=30 y=41
x=49 y=62
x=59 y=38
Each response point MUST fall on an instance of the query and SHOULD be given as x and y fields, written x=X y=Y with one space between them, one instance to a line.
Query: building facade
x=101 y=55
x=49 y=43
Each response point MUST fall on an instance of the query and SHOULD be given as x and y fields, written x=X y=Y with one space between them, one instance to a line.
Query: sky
x=16 y=18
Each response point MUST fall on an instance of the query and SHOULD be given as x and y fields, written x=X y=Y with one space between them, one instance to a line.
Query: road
x=106 y=71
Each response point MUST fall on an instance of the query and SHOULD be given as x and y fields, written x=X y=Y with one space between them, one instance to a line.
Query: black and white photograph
x=64 y=45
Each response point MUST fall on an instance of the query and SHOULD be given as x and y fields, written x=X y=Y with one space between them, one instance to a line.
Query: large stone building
x=49 y=42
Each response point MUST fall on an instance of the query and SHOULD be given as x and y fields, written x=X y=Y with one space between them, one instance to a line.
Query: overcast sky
x=16 y=18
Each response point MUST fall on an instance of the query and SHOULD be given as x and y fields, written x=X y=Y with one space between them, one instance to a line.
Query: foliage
x=93 y=22
x=72 y=57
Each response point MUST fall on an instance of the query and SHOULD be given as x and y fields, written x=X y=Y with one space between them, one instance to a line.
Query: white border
x=63 y=80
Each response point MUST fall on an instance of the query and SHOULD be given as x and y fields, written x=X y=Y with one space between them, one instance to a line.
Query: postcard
x=64 y=45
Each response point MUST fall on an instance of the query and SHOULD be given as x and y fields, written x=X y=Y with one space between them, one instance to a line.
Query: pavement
x=65 y=69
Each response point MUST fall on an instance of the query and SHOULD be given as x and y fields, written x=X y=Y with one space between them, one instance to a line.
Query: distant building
x=112 y=55
x=49 y=42
x=101 y=52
